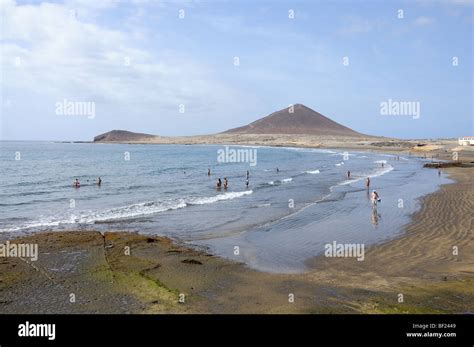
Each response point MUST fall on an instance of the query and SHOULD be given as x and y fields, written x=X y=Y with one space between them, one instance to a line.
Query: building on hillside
x=466 y=141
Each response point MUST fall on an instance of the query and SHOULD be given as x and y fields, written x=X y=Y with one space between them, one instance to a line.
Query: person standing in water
x=247 y=183
x=219 y=184
x=226 y=183
x=76 y=183
x=375 y=198
x=348 y=175
x=99 y=181
x=248 y=174
x=209 y=172
x=367 y=182
x=278 y=170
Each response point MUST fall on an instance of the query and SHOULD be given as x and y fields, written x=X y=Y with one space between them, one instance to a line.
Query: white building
x=466 y=141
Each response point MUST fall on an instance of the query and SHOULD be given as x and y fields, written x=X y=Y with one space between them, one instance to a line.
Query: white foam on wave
x=380 y=162
x=129 y=211
x=312 y=172
x=220 y=197
x=381 y=171
x=285 y=180
x=263 y=205
x=344 y=154
x=340 y=164
x=360 y=176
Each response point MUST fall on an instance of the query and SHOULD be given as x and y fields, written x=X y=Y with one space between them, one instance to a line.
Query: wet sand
x=419 y=264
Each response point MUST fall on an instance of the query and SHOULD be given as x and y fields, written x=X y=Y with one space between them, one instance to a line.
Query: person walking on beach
x=219 y=184
x=226 y=183
x=367 y=182
x=348 y=175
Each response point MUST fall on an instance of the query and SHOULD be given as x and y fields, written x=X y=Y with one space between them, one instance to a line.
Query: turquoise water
x=279 y=221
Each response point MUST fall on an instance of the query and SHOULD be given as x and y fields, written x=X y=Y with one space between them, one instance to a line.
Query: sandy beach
x=163 y=276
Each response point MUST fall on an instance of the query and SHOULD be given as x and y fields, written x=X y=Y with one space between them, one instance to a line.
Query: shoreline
x=161 y=269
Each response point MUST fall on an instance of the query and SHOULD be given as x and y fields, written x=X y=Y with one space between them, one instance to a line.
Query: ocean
x=297 y=201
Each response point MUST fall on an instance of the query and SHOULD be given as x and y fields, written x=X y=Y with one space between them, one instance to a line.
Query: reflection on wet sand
x=375 y=216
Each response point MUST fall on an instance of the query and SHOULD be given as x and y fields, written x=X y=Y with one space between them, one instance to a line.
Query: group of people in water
x=226 y=181
x=77 y=184
x=219 y=183
x=374 y=196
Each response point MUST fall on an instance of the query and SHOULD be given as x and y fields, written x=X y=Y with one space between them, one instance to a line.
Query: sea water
x=297 y=200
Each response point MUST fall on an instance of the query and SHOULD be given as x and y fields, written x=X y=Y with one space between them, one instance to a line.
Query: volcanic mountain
x=298 y=119
x=122 y=136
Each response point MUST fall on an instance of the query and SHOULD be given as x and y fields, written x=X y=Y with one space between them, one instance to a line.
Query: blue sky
x=137 y=61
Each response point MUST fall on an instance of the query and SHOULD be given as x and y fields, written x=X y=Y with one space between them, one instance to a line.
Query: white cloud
x=62 y=56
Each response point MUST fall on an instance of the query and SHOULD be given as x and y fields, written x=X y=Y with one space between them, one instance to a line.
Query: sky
x=198 y=67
